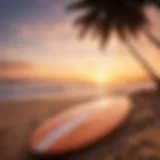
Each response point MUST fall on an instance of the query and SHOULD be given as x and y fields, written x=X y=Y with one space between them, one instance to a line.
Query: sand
x=19 y=119
x=137 y=139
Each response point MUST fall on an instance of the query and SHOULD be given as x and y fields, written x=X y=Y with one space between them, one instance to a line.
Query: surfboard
x=78 y=127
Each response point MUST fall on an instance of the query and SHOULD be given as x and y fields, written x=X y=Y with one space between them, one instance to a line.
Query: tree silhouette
x=125 y=17
x=152 y=39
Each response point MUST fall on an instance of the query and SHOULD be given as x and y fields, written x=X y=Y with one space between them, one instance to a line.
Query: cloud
x=10 y=70
x=51 y=31
x=14 y=65
x=58 y=38
x=58 y=44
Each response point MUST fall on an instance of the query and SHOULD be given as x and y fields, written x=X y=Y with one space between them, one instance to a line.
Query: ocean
x=28 y=91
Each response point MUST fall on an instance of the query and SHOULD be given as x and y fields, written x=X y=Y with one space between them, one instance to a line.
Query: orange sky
x=50 y=46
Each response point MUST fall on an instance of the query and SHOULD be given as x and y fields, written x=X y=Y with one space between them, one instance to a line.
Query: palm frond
x=102 y=16
x=88 y=20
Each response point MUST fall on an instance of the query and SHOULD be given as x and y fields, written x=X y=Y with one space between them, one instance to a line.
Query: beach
x=19 y=118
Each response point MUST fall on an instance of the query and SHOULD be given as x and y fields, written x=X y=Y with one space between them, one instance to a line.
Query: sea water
x=28 y=91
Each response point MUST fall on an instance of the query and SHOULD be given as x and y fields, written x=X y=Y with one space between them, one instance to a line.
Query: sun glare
x=99 y=75
x=100 y=78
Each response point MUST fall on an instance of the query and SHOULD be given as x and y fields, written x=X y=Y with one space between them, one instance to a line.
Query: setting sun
x=100 y=75
x=100 y=78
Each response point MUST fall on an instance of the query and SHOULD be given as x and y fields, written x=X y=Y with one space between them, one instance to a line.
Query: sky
x=38 y=41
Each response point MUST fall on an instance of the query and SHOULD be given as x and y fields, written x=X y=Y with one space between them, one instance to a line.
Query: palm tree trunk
x=144 y=64
x=151 y=38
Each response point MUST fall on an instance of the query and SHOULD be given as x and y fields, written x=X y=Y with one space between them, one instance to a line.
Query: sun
x=99 y=75
x=100 y=78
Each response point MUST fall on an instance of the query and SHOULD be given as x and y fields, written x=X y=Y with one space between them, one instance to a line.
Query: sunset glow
x=47 y=41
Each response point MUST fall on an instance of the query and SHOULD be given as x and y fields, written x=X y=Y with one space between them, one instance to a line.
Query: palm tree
x=125 y=17
x=152 y=39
